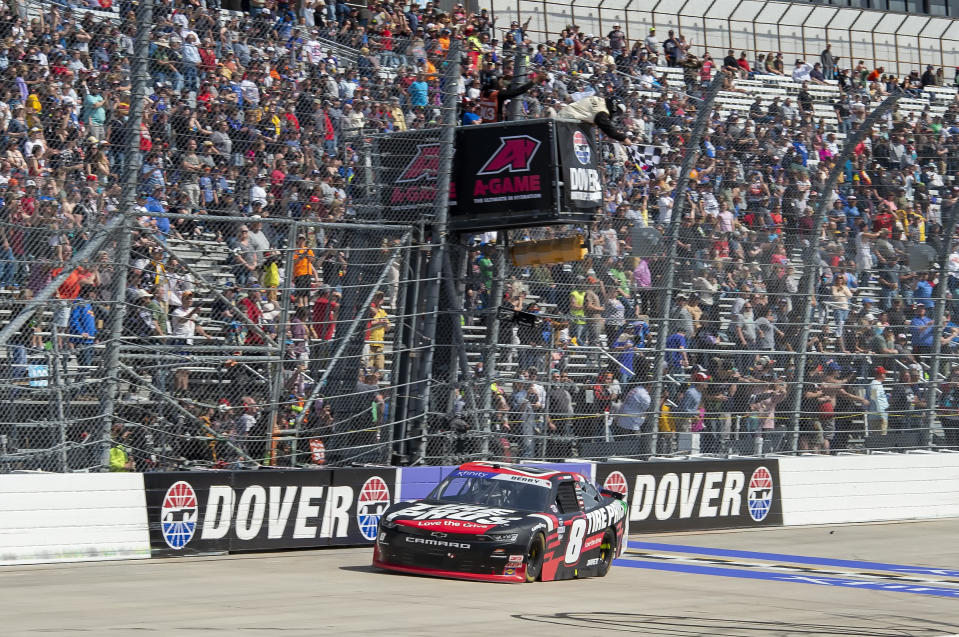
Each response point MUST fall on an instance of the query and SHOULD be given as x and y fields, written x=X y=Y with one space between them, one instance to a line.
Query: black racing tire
x=534 y=557
x=607 y=548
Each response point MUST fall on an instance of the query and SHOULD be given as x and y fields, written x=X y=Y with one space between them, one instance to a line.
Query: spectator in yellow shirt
x=376 y=332
x=667 y=429
x=304 y=273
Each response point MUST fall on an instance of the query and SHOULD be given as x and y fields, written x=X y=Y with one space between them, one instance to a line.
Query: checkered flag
x=646 y=157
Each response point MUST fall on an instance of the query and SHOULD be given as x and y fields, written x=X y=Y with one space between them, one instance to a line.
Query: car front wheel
x=534 y=557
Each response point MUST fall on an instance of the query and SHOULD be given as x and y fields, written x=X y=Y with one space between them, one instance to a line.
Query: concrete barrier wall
x=72 y=517
x=836 y=490
x=77 y=517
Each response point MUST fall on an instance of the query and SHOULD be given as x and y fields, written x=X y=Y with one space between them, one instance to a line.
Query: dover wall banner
x=208 y=512
x=72 y=517
x=697 y=495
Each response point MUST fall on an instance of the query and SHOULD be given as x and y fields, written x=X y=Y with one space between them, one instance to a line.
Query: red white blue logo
x=581 y=147
x=759 y=496
x=616 y=481
x=178 y=515
x=374 y=498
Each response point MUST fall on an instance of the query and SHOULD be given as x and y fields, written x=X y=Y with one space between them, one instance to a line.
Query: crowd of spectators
x=263 y=114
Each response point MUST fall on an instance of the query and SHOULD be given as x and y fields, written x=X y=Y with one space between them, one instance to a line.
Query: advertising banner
x=210 y=512
x=177 y=510
x=579 y=158
x=697 y=495
x=504 y=168
x=408 y=165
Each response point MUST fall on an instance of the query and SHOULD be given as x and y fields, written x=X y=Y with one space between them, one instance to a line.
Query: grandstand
x=319 y=331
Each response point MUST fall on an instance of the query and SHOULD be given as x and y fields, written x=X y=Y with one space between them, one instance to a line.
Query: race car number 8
x=575 y=546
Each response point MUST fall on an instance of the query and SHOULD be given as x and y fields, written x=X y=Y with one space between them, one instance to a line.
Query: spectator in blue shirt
x=627 y=354
x=154 y=204
x=471 y=116
x=83 y=326
x=676 y=350
x=419 y=91
x=922 y=331
x=852 y=212
x=923 y=293
x=950 y=334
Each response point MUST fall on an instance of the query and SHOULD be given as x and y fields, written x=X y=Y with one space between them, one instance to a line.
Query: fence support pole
x=286 y=288
x=519 y=78
x=491 y=357
x=398 y=379
x=492 y=337
x=404 y=374
x=932 y=396
x=58 y=392
x=456 y=309
x=438 y=240
x=128 y=196
x=813 y=261
x=679 y=205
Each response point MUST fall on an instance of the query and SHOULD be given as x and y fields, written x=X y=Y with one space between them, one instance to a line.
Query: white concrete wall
x=69 y=517
x=846 y=489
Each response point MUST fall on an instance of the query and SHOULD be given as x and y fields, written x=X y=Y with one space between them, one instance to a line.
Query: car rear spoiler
x=612 y=494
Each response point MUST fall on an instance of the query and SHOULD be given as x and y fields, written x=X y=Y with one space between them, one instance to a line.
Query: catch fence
x=261 y=274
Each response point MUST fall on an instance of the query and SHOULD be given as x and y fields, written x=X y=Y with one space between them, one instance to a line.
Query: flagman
x=597 y=110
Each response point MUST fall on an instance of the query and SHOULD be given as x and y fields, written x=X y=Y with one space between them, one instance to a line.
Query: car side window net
x=566 y=498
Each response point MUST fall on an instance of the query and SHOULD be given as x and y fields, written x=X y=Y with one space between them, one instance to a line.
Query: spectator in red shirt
x=720 y=246
x=603 y=395
x=70 y=288
x=325 y=310
x=251 y=305
x=884 y=218
x=208 y=56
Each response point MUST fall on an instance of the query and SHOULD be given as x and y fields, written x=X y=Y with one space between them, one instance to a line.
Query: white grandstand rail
x=794 y=29
x=284 y=221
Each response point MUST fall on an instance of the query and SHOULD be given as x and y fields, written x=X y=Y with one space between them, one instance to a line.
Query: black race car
x=505 y=523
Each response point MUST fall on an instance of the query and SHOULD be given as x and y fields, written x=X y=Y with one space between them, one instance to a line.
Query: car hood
x=451 y=517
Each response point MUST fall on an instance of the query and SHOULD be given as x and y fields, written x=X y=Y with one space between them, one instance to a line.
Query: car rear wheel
x=606 y=550
x=534 y=557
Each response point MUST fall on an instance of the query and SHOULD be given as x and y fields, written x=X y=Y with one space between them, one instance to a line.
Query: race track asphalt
x=335 y=592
